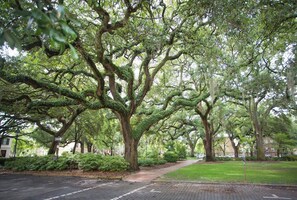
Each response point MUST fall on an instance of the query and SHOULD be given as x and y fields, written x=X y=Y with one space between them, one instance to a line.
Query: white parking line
x=275 y=197
x=133 y=191
x=79 y=191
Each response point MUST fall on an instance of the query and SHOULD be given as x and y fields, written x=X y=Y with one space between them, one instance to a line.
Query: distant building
x=6 y=147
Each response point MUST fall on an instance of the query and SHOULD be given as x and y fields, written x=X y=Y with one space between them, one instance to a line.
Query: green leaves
x=73 y=52
x=68 y=31
x=57 y=36
x=11 y=38
x=40 y=17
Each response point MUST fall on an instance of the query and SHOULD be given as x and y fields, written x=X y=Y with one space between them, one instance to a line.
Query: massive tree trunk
x=260 y=146
x=82 y=147
x=207 y=141
x=257 y=129
x=53 y=148
x=259 y=140
x=75 y=141
x=131 y=144
x=235 y=148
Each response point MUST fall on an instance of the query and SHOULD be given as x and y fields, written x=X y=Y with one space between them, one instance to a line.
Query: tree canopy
x=145 y=60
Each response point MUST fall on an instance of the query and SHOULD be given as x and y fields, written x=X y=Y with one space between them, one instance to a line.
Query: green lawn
x=233 y=171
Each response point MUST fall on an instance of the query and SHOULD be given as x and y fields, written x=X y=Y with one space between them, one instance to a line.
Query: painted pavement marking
x=155 y=191
x=79 y=191
x=133 y=191
x=275 y=197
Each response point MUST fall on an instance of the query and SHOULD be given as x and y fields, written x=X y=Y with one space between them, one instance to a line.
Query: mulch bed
x=76 y=173
x=90 y=174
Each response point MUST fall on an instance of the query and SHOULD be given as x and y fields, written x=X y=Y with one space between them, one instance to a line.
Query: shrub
x=3 y=160
x=39 y=163
x=181 y=151
x=170 y=156
x=62 y=163
x=223 y=159
x=89 y=162
x=286 y=158
x=113 y=163
x=86 y=162
x=154 y=154
x=147 y=162
x=19 y=164
x=251 y=158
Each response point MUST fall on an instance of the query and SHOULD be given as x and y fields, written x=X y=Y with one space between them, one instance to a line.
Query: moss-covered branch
x=42 y=84
x=149 y=121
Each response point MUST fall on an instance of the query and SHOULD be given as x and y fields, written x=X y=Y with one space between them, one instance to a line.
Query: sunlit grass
x=234 y=171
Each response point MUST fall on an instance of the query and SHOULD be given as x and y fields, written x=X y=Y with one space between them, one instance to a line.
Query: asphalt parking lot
x=28 y=187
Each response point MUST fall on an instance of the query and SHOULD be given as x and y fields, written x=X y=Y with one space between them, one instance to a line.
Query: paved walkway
x=150 y=175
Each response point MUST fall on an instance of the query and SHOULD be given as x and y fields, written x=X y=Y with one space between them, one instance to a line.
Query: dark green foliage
x=223 y=159
x=113 y=163
x=181 y=151
x=153 y=154
x=3 y=160
x=86 y=162
x=40 y=163
x=170 y=156
x=286 y=158
x=147 y=162
x=89 y=162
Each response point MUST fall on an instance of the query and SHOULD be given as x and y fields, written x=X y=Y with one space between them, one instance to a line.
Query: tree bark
x=74 y=147
x=131 y=144
x=53 y=148
x=207 y=141
x=89 y=147
x=235 y=148
x=257 y=130
x=192 y=145
x=75 y=141
x=192 y=153
x=260 y=146
x=82 y=147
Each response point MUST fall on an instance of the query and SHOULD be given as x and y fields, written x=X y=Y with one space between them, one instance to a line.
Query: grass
x=233 y=172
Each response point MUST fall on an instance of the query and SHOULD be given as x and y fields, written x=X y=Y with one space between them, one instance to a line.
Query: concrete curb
x=226 y=183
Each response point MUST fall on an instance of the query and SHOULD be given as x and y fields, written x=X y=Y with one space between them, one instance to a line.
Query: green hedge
x=170 y=156
x=286 y=158
x=3 y=160
x=147 y=162
x=86 y=162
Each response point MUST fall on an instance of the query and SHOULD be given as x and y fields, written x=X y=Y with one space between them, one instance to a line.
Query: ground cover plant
x=234 y=171
x=85 y=162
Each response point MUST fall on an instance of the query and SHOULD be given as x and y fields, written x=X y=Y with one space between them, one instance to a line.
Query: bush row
x=85 y=162
x=170 y=156
x=146 y=162
x=3 y=160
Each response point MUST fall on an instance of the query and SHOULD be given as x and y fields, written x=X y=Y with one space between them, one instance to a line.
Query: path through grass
x=233 y=171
